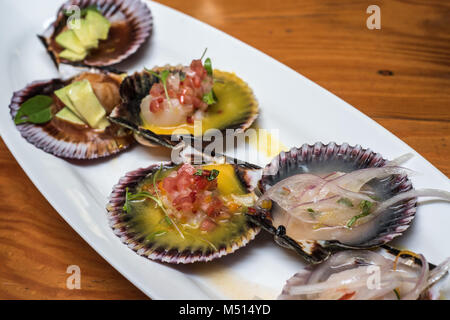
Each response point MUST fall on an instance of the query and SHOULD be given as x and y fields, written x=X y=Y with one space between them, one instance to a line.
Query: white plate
x=303 y=111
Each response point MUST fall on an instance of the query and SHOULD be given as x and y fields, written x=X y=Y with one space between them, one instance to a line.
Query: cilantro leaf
x=208 y=66
x=365 y=206
x=214 y=173
x=209 y=97
x=345 y=201
x=35 y=110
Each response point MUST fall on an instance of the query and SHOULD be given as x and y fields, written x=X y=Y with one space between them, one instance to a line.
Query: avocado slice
x=86 y=35
x=72 y=55
x=62 y=95
x=67 y=115
x=99 y=25
x=86 y=102
x=69 y=40
x=103 y=123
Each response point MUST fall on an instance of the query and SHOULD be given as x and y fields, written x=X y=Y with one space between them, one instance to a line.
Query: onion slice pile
x=340 y=200
x=365 y=275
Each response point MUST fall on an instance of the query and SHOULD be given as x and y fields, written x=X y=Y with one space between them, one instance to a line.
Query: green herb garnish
x=209 y=97
x=214 y=173
x=156 y=234
x=163 y=77
x=208 y=66
x=35 y=110
x=345 y=201
x=137 y=196
x=203 y=54
x=156 y=198
x=199 y=172
x=365 y=206
x=311 y=212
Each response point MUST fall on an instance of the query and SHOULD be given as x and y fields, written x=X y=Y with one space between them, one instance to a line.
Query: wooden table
x=398 y=75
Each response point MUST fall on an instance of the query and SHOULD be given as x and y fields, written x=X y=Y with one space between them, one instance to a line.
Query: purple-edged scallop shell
x=321 y=159
x=150 y=235
x=348 y=275
x=131 y=26
x=236 y=108
x=69 y=140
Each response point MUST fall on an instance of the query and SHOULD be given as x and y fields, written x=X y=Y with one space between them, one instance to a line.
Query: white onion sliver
x=436 y=193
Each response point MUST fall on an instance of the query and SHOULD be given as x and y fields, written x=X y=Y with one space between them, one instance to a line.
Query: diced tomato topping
x=155 y=106
x=191 y=190
x=207 y=225
x=197 y=81
x=157 y=90
x=189 y=92
x=214 y=208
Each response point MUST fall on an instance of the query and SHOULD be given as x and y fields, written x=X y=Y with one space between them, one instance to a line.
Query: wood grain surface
x=399 y=76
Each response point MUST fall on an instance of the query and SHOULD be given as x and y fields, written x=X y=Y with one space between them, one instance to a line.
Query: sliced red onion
x=348 y=272
x=421 y=282
x=353 y=181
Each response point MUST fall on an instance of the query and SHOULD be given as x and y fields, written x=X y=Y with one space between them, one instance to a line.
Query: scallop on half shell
x=147 y=211
x=236 y=108
x=131 y=24
x=71 y=140
x=315 y=239
x=382 y=274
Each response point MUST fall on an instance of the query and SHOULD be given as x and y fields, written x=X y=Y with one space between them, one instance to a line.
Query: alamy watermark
x=374 y=20
x=74 y=280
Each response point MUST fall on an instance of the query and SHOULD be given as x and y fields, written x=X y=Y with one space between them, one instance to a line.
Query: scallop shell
x=137 y=86
x=50 y=137
x=134 y=13
x=119 y=223
x=333 y=157
x=304 y=275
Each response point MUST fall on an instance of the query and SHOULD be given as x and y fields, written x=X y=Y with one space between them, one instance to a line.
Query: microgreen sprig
x=156 y=198
x=163 y=77
x=203 y=54
x=168 y=219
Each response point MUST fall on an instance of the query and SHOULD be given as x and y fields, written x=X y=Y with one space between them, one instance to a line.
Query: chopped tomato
x=191 y=191
x=189 y=91
x=155 y=106
x=207 y=225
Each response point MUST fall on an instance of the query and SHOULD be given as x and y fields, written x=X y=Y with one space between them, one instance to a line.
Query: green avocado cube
x=67 y=115
x=98 y=24
x=86 y=35
x=69 y=40
x=86 y=102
